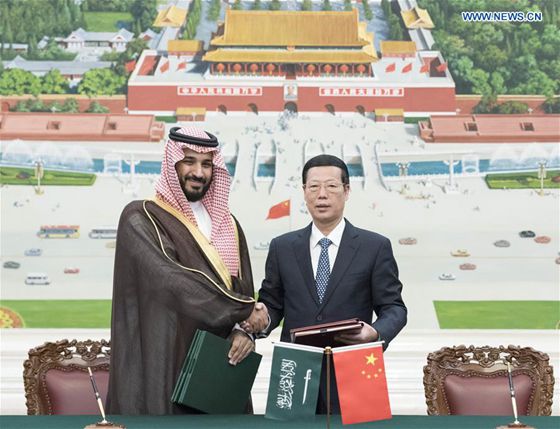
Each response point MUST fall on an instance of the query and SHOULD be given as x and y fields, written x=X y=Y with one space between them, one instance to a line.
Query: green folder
x=208 y=382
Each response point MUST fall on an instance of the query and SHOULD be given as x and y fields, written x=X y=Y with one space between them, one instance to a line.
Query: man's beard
x=194 y=196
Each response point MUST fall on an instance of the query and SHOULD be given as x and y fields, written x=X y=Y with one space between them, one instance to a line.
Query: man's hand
x=366 y=334
x=257 y=321
x=241 y=346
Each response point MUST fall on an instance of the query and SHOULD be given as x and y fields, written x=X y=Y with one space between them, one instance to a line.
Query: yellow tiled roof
x=389 y=112
x=184 y=45
x=173 y=16
x=290 y=28
x=359 y=56
x=417 y=18
x=190 y=111
x=392 y=47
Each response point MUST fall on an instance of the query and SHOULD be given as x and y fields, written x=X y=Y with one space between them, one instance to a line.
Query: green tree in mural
x=19 y=82
x=368 y=14
x=552 y=105
x=70 y=105
x=214 y=10
x=95 y=107
x=326 y=6
x=144 y=13
x=101 y=82
x=54 y=83
x=512 y=107
x=518 y=58
x=274 y=5
x=307 y=5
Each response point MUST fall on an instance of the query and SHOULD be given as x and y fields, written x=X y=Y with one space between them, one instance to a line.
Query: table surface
x=258 y=421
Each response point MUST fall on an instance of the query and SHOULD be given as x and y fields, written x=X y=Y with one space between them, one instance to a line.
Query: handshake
x=257 y=321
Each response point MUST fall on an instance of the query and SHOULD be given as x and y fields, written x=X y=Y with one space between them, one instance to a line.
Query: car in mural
x=37 y=279
x=460 y=253
x=408 y=241
x=446 y=276
x=543 y=239
x=263 y=245
x=502 y=243
x=467 y=267
x=33 y=251
x=527 y=234
x=11 y=264
x=71 y=270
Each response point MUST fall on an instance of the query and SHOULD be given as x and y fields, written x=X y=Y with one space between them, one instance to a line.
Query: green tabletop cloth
x=256 y=422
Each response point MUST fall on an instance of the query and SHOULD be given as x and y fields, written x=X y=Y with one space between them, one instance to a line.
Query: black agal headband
x=183 y=138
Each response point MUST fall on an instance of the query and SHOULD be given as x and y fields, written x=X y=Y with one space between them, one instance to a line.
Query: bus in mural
x=59 y=231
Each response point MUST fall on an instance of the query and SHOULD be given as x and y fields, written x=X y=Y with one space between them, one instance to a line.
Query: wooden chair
x=56 y=379
x=474 y=381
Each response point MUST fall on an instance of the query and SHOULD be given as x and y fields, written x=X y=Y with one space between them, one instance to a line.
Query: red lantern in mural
x=220 y=67
x=270 y=68
x=310 y=68
x=361 y=69
x=253 y=68
x=327 y=69
x=344 y=68
x=237 y=68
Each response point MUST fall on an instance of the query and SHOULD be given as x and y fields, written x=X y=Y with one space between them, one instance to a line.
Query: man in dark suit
x=331 y=270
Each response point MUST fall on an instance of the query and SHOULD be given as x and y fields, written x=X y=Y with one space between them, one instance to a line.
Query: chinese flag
x=362 y=385
x=407 y=68
x=442 y=67
x=390 y=68
x=164 y=67
x=279 y=210
x=425 y=68
x=182 y=66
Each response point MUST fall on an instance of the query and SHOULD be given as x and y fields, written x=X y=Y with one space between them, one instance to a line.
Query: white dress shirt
x=203 y=219
x=315 y=248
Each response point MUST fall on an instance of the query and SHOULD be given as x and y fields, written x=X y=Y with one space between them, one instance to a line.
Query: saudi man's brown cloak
x=155 y=256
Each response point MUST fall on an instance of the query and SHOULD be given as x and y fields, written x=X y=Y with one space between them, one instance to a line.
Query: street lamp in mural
x=403 y=172
x=542 y=175
x=39 y=174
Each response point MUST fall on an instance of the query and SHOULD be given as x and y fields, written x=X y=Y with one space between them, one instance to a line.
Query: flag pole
x=328 y=352
x=290 y=220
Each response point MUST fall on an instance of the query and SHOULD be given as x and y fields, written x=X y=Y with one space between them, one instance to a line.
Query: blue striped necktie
x=323 y=268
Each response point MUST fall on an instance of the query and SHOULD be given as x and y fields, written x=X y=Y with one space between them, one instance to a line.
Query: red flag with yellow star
x=279 y=210
x=361 y=382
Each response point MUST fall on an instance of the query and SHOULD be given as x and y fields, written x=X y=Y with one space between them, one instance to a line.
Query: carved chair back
x=56 y=378
x=474 y=381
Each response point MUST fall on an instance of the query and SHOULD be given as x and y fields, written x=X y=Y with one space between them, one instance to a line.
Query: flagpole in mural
x=39 y=173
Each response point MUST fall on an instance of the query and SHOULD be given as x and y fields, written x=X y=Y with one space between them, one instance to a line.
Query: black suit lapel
x=303 y=257
x=348 y=248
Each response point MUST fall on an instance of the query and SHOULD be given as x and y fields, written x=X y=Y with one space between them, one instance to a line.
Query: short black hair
x=327 y=161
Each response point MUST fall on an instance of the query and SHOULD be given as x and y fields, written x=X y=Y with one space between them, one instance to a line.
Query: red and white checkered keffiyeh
x=216 y=200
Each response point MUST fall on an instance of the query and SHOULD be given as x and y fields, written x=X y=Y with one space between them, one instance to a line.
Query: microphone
x=516 y=423
x=98 y=397
x=103 y=423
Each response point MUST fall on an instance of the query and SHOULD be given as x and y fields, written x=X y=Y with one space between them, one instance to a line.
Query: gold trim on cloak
x=205 y=245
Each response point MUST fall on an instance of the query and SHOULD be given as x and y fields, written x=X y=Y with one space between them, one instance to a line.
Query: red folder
x=323 y=335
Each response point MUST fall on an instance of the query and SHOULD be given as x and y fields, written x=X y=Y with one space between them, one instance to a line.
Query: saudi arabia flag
x=294 y=381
